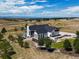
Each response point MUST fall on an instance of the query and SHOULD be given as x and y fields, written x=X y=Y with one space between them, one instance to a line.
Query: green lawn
x=60 y=44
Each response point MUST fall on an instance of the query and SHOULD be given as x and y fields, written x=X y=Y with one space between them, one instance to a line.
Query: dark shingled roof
x=42 y=28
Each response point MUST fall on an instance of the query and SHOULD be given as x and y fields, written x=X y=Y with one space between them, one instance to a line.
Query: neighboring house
x=41 y=31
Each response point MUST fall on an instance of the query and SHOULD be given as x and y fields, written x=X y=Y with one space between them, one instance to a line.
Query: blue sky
x=39 y=8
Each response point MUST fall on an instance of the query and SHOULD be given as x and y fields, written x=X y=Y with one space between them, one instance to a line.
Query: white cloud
x=71 y=10
x=15 y=11
x=32 y=7
x=26 y=9
x=9 y=7
x=15 y=1
x=32 y=2
x=39 y=0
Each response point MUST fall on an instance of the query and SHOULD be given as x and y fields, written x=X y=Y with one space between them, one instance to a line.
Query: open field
x=33 y=52
x=65 y=25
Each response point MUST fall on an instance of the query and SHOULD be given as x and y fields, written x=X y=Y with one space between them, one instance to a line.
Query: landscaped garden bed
x=68 y=46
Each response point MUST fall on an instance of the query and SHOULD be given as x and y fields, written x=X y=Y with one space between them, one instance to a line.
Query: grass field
x=33 y=52
x=65 y=25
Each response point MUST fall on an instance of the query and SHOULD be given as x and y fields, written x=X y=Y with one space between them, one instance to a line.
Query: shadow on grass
x=47 y=49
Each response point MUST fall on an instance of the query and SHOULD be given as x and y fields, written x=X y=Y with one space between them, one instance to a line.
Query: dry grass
x=33 y=52
x=66 y=25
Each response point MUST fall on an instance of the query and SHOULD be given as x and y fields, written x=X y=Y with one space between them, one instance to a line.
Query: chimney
x=28 y=31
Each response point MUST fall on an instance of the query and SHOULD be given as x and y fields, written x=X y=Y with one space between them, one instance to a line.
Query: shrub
x=67 y=45
x=3 y=30
x=1 y=36
x=22 y=28
x=6 y=56
x=76 y=45
x=45 y=41
x=15 y=29
x=48 y=42
x=20 y=41
x=77 y=33
x=6 y=48
x=11 y=38
x=41 y=42
x=26 y=25
x=26 y=45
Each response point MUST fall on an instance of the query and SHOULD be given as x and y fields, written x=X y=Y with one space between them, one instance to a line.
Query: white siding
x=35 y=35
x=28 y=31
x=48 y=34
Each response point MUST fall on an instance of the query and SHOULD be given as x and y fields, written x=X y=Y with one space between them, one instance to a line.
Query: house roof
x=42 y=28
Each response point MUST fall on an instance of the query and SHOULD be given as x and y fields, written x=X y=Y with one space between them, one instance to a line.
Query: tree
x=26 y=25
x=20 y=40
x=77 y=33
x=76 y=45
x=1 y=36
x=6 y=49
x=67 y=45
x=3 y=30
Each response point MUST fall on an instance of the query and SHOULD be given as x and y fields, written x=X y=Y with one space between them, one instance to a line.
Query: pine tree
x=3 y=30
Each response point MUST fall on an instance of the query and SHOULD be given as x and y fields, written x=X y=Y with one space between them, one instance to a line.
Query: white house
x=41 y=31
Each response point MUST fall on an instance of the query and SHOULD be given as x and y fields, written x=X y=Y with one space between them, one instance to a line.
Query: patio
x=63 y=35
